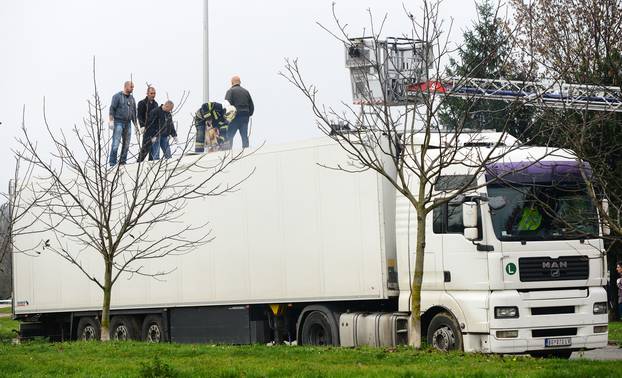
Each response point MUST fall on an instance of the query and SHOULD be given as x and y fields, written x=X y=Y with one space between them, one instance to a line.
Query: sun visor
x=526 y=172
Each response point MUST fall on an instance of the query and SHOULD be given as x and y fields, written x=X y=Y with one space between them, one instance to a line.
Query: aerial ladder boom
x=395 y=72
x=543 y=94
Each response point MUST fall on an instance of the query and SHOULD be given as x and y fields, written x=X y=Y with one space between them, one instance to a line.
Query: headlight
x=506 y=312
x=600 y=308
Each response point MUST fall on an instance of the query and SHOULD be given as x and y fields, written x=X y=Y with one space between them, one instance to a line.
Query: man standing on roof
x=121 y=114
x=241 y=99
x=145 y=106
x=160 y=129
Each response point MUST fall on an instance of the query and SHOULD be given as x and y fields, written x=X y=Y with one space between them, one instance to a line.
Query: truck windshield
x=543 y=212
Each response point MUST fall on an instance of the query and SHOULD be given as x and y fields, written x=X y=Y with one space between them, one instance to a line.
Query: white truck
x=317 y=256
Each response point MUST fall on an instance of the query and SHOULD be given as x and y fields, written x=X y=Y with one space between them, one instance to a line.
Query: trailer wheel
x=89 y=329
x=123 y=328
x=444 y=333
x=317 y=330
x=153 y=331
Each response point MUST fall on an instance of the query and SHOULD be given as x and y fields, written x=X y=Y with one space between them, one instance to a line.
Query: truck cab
x=525 y=273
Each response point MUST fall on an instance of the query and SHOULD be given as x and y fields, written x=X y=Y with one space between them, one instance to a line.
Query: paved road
x=611 y=352
x=4 y=305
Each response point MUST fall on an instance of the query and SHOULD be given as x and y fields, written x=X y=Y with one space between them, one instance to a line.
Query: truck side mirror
x=604 y=217
x=469 y=220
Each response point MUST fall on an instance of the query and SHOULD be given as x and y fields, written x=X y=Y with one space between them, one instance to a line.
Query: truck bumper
x=524 y=343
x=548 y=320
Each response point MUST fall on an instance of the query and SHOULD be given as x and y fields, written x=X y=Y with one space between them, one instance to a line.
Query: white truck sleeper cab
x=511 y=287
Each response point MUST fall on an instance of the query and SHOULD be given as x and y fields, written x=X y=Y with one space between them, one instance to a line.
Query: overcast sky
x=48 y=46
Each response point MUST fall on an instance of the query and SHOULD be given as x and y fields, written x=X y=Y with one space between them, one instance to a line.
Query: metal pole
x=205 y=52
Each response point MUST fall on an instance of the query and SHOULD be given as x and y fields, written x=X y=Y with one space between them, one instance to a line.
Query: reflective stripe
x=530 y=220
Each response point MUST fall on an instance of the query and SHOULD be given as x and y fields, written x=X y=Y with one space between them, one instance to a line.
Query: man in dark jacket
x=145 y=107
x=122 y=113
x=243 y=103
x=160 y=129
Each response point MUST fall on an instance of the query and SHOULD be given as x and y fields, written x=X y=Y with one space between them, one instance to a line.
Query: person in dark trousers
x=619 y=286
x=122 y=113
x=145 y=106
x=160 y=129
x=243 y=103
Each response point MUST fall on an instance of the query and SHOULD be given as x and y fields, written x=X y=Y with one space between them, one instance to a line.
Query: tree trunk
x=414 y=338
x=105 y=323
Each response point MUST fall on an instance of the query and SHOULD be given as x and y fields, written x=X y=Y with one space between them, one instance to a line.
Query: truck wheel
x=89 y=329
x=123 y=328
x=317 y=330
x=563 y=354
x=153 y=332
x=444 y=333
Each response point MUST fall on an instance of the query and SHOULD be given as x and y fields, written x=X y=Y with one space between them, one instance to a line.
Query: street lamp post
x=205 y=52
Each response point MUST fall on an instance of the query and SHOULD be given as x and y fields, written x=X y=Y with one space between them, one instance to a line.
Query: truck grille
x=552 y=310
x=552 y=332
x=548 y=269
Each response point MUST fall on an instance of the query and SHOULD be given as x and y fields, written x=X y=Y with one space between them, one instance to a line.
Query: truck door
x=464 y=266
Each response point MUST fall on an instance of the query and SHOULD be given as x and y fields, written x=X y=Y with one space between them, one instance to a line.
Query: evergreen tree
x=487 y=52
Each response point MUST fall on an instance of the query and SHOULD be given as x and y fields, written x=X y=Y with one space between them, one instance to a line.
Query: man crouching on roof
x=211 y=122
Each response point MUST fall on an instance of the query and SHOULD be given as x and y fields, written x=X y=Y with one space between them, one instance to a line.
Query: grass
x=136 y=359
x=615 y=332
x=77 y=359
x=7 y=325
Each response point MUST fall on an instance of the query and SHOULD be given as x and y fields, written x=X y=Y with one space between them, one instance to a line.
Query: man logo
x=555 y=267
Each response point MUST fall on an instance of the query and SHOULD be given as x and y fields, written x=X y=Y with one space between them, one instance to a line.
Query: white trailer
x=294 y=234
x=306 y=253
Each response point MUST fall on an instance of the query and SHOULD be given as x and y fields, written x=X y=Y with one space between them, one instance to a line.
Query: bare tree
x=13 y=217
x=579 y=42
x=125 y=215
x=396 y=131
x=5 y=252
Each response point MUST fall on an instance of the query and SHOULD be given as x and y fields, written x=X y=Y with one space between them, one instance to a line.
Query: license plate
x=557 y=342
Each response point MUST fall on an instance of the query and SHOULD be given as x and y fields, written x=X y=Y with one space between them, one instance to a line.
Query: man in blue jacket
x=122 y=113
